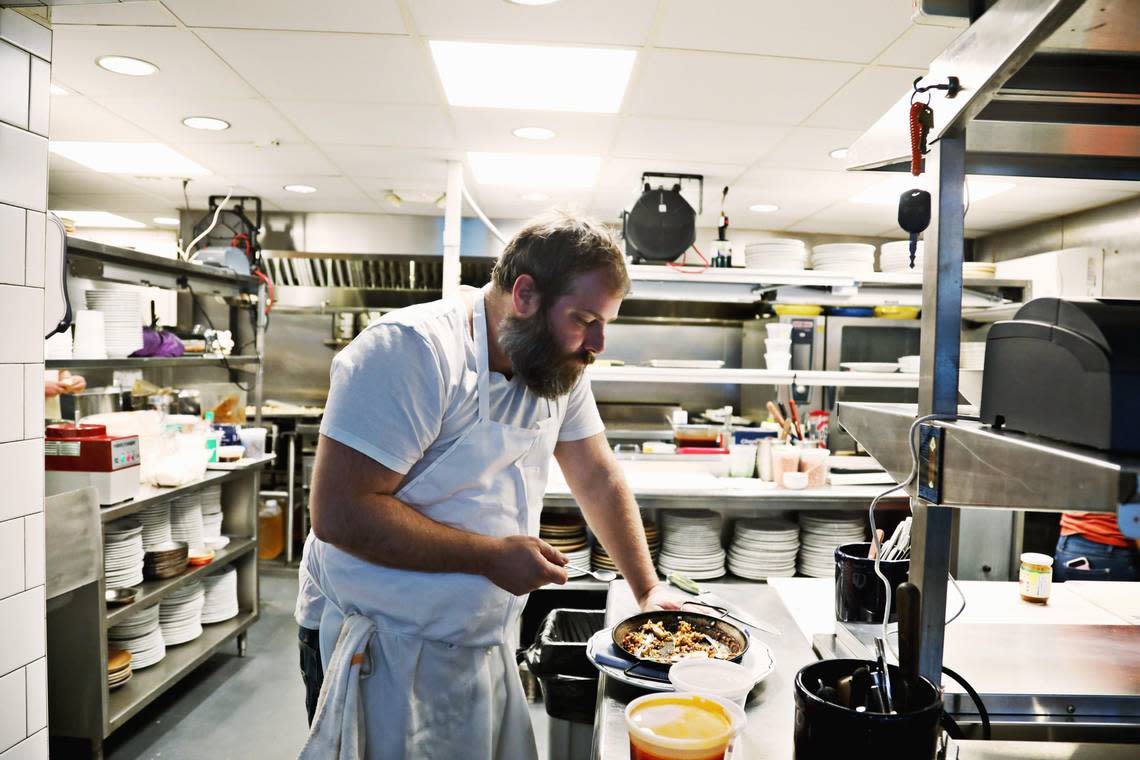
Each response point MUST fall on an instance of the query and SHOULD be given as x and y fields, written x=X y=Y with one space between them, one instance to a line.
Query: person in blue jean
x=1092 y=548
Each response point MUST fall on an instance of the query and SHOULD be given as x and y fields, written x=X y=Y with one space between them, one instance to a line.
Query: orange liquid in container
x=682 y=727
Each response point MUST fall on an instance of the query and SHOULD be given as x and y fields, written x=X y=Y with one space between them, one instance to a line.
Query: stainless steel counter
x=979 y=750
x=770 y=709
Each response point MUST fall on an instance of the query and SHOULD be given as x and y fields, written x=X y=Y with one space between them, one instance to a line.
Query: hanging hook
x=952 y=87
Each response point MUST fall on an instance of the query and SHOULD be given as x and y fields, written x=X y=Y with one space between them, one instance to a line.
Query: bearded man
x=435 y=445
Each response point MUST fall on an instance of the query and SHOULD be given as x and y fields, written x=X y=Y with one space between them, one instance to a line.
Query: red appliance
x=77 y=456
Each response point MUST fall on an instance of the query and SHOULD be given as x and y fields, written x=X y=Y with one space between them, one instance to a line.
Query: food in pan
x=653 y=641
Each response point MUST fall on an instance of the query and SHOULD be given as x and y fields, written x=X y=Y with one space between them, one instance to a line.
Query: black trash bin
x=557 y=657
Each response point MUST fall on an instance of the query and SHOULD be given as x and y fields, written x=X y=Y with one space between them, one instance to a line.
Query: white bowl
x=795 y=481
x=909 y=364
x=781 y=362
x=778 y=345
x=779 y=330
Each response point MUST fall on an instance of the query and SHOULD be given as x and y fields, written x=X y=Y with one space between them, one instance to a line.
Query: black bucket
x=859 y=593
x=825 y=731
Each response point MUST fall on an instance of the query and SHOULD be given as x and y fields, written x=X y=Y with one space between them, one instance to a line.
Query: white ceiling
x=343 y=95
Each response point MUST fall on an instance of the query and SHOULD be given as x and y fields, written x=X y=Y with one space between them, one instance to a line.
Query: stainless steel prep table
x=771 y=711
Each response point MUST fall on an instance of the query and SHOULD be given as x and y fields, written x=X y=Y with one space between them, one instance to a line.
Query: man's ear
x=525 y=297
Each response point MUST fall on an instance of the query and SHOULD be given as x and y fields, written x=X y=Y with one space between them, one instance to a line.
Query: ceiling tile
x=328 y=187
x=920 y=45
x=489 y=129
x=185 y=65
x=864 y=99
x=253 y=161
x=251 y=120
x=149 y=13
x=118 y=203
x=324 y=66
x=372 y=16
x=370 y=123
x=392 y=163
x=74 y=117
x=700 y=141
x=736 y=88
x=849 y=218
x=808 y=148
x=837 y=30
x=85 y=182
x=584 y=21
x=624 y=174
x=796 y=191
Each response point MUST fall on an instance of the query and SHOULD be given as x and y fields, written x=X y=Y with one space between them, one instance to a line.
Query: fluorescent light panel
x=98 y=219
x=147 y=159
x=887 y=193
x=536 y=77
x=521 y=170
x=303 y=189
x=764 y=208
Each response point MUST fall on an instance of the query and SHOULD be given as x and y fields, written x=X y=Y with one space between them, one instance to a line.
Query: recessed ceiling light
x=521 y=170
x=838 y=153
x=167 y=221
x=98 y=219
x=536 y=77
x=132 y=67
x=887 y=193
x=206 y=122
x=147 y=159
x=764 y=208
x=57 y=90
x=534 y=133
x=304 y=189
x=532 y=2
x=535 y=197
x=395 y=200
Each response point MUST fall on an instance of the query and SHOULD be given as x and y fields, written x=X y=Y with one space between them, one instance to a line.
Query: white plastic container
x=254 y=441
x=813 y=463
x=764 y=458
x=779 y=330
x=719 y=678
x=648 y=737
x=742 y=460
x=785 y=461
x=780 y=362
x=778 y=345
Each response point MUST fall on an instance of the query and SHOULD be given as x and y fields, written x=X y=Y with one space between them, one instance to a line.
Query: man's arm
x=353 y=509
x=599 y=487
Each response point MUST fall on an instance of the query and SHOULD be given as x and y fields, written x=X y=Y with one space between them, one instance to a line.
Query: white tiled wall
x=25 y=73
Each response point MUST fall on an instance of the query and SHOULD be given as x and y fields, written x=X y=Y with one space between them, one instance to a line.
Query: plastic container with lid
x=682 y=726
x=1035 y=579
x=720 y=678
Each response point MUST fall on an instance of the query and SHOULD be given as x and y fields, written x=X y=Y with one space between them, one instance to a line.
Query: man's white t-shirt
x=406 y=388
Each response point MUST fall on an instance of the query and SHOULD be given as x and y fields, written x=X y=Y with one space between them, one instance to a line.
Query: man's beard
x=538 y=358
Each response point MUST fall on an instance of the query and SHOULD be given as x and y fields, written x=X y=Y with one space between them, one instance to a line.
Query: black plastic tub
x=859 y=593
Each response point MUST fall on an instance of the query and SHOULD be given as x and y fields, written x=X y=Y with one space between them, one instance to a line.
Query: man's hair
x=554 y=249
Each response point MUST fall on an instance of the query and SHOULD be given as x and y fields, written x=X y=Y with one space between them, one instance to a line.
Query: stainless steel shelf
x=148 y=495
x=154 y=362
x=732 y=376
x=154 y=591
x=982 y=467
x=840 y=498
x=88 y=259
x=147 y=685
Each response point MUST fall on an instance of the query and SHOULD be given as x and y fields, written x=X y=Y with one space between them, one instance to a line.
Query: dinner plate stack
x=979 y=269
x=566 y=532
x=764 y=547
x=601 y=560
x=895 y=257
x=820 y=534
x=843 y=258
x=123 y=553
x=155 y=521
x=186 y=519
x=121 y=324
x=221 y=599
x=180 y=614
x=118 y=667
x=691 y=544
x=140 y=635
x=780 y=254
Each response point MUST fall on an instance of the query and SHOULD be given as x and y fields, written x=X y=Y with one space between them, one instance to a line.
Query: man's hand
x=521 y=564
x=660 y=597
x=67 y=383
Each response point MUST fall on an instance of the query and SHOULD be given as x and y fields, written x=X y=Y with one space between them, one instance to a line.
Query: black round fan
x=661 y=225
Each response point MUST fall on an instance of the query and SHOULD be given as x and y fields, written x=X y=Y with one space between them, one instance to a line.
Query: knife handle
x=909 y=606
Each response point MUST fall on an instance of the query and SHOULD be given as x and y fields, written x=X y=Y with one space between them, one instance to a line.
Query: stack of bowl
x=566 y=532
x=166 y=560
x=778 y=346
x=601 y=560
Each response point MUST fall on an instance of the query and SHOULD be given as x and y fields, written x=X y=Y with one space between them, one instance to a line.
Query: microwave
x=826 y=343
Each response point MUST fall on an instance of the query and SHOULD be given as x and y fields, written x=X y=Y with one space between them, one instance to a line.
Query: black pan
x=721 y=630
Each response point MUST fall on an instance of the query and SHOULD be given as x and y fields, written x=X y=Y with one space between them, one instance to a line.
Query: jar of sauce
x=1035 y=579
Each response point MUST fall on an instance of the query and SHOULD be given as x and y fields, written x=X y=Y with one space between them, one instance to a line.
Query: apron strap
x=482 y=360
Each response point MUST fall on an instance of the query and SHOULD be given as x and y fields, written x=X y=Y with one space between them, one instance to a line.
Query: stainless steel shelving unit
x=82 y=707
x=1048 y=89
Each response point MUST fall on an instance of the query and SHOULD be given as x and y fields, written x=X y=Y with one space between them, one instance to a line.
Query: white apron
x=441 y=677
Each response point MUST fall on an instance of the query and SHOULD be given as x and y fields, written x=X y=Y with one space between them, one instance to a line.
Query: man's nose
x=595 y=341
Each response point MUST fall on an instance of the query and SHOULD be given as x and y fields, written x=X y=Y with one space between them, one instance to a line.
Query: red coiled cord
x=915 y=139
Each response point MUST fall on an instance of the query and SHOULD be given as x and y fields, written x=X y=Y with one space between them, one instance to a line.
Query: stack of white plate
x=843 y=258
x=972 y=355
x=180 y=614
x=764 y=547
x=221 y=600
x=211 y=499
x=780 y=254
x=155 y=521
x=140 y=635
x=691 y=544
x=820 y=534
x=123 y=553
x=979 y=269
x=895 y=256
x=186 y=520
x=121 y=323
